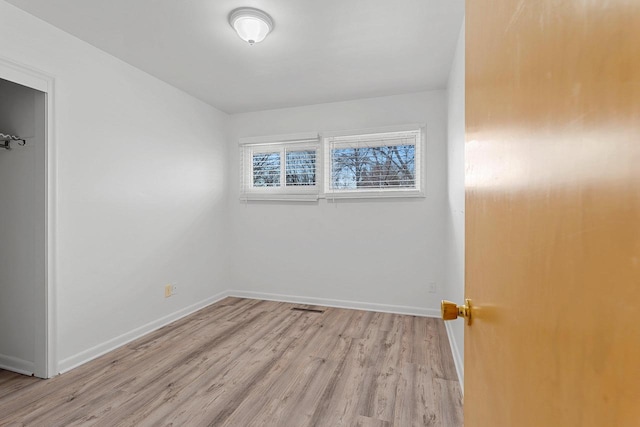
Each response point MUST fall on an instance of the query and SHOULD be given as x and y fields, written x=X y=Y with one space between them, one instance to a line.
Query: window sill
x=281 y=197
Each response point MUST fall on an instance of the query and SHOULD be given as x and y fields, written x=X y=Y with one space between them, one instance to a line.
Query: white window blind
x=280 y=170
x=374 y=165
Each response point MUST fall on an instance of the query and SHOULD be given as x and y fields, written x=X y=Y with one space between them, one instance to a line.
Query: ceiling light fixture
x=252 y=25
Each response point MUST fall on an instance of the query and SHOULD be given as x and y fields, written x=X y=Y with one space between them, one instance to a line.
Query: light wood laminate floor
x=243 y=362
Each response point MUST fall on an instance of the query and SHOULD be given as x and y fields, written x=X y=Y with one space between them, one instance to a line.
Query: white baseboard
x=16 y=364
x=457 y=357
x=356 y=305
x=112 y=344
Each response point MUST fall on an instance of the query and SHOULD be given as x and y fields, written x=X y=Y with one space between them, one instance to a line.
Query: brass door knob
x=451 y=311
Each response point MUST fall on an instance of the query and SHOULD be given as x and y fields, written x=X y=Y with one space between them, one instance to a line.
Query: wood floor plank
x=438 y=351
x=415 y=404
x=296 y=390
x=406 y=344
x=359 y=323
x=245 y=362
x=346 y=393
x=292 y=399
x=371 y=422
x=380 y=402
x=421 y=340
x=10 y=382
x=449 y=399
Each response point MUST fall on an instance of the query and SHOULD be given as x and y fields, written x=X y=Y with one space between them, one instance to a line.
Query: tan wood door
x=553 y=213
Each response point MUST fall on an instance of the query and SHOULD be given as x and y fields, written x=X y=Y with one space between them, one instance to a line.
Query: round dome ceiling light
x=252 y=25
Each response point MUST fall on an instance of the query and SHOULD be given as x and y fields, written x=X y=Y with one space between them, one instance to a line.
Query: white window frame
x=279 y=144
x=333 y=139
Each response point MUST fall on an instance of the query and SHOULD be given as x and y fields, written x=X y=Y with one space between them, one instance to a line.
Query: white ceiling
x=320 y=51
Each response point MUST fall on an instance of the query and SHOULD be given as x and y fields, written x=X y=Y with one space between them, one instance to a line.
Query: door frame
x=46 y=363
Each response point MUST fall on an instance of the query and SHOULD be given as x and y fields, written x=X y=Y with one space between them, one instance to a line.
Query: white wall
x=365 y=252
x=22 y=229
x=455 y=230
x=141 y=190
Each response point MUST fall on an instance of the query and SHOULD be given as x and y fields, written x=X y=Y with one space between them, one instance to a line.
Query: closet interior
x=22 y=229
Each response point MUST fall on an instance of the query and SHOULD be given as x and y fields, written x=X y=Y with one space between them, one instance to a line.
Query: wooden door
x=553 y=213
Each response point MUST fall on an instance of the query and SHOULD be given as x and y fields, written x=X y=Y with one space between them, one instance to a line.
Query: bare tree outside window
x=301 y=168
x=373 y=167
x=266 y=169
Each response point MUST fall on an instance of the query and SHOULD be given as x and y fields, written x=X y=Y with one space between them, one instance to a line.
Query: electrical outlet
x=167 y=291
x=432 y=288
x=174 y=289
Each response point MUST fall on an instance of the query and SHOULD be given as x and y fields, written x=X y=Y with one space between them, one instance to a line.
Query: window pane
x=301 y=168
x=391 y=166
x=266 y=169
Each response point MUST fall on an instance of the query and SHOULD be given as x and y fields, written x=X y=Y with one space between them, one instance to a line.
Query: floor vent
x=311 y=310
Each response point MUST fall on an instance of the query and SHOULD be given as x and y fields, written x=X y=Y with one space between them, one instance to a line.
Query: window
x=280 y=170
x=366 y=164
x=374 y=165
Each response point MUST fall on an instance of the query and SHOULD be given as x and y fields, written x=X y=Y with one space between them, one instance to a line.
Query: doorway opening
x=26 y=231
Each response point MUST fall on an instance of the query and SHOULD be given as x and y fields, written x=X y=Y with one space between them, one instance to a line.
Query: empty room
x=319 y=213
